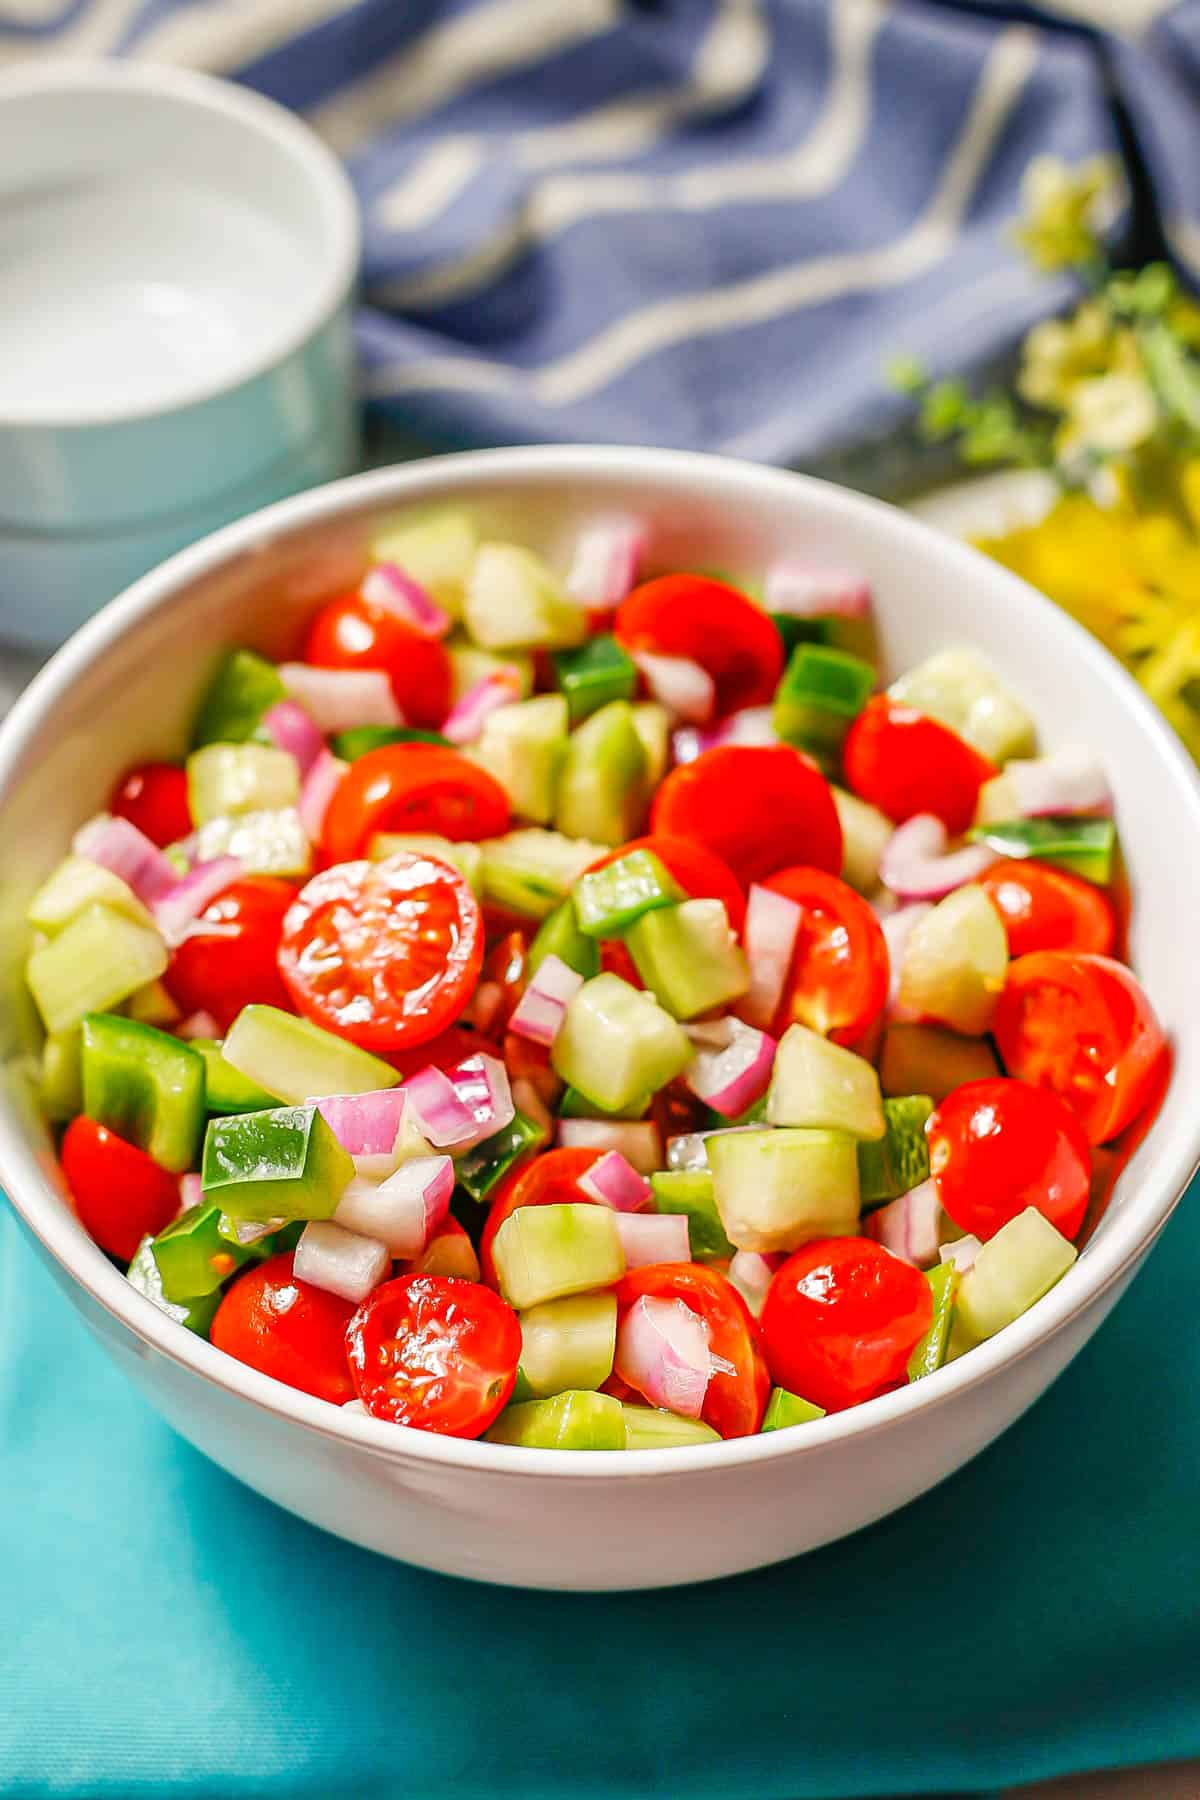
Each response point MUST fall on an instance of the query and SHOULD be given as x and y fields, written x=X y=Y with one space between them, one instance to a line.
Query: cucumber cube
x=865 y=832
x=690 y=1191
x=197 y=1313
x=559 y=935
x=603 y=785
x=146 y=1086
x=817 y=1083
x=954 y=962
x=60 y=1083
x=226 y=1090
x=284 y=1163
x=225 y=780
x=513 y=602
x=610 y=899
x=785 y=1409
x=599 y=671
x=899 y=1160
x=436 y=550
x=571 y=1421
x=778 y=1188
x=271 y=842
x=616 y=1044
x=568 y=1344
x=470 y=665
x=961 y=690
x=689 y=957
x=924 y=1059
x=523 y=746
x=482 y=1169
x=532 y=871
x=191 y=1256
x=296 y=1061
x=78 y=883
x=930 y=1353
x=652 y=723
x=95 y=962
x=243 y=689
x=546 y=1252
x=821 y=694
x=652 y=1428
x=466 y=858
x=574 y=1105
x=152 y=1005
x=1012 y=1271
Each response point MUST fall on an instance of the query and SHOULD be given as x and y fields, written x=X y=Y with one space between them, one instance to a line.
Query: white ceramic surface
x=590 y=1520
x=175 y=281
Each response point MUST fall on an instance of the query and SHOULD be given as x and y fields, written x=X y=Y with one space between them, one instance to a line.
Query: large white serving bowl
x=125 y=688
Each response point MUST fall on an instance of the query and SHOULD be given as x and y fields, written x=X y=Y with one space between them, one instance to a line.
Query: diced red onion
x=681 y=685
x=290 y=728
x=751 y=1274
x=1069 y=782
x=197 y=1025
x=465 y=721
x=662 y=1351
x=539 y=1013
x=962 y=1252
x=769 y=935
x=389 y=588
x=653 y=1238
x=909 y=1227
x=805 y=590
x=613 y=1181
x=440 y=1111
x=752 y=725
x=915 y=864
x=731 y=1078
x=481 y=1082
x=339 y=699
x=897 y=928
x=180 y=907
x=605 y=565
x=253 y=1231
x=191 y=1191
x=364 y=1124
x=340 y=1261
x=405 y=1210
x=319 y=787
x=377 y=1167
x=118 y=846
x=637 y=1140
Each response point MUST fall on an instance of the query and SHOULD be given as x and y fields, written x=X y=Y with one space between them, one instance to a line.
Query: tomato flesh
x=841 y=1319
x=154 y=797
x=435 y=1352
x=733 y=1404
x=351 y=633
x=288 y=1329
x=701 y=874
x=839 y=977
x=414 y=788
x=905 y=763
x=1044 y=908
x=997 y=1147
x=234 y=964
x=759 y=808
x=711 y=624
x=121 y=1195
x=551 y=1179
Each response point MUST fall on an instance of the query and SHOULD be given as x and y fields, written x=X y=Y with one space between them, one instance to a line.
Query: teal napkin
x=165 y=1632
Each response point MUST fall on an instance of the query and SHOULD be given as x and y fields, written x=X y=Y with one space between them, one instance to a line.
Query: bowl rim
x=335 y=277
x=1107 y=1259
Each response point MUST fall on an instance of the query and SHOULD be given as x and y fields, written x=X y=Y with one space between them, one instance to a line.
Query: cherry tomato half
x=154 y=797
x=385 y=954
x=711 y=624
x=448 y=1252
x=758 y=807
x=841 y=1319
x=996 y=1147
x=700 y=873
x=1044 y=908
x=550 y=1179
x=904 y=763
x=839 y=977
x=234 y=965
x=1082 y=1026
x=121 y=1195
x=445 y=1051
x=734 y=1404
x=419 y=788
x=289 y=1329
x=435 y=1352
x=351 y=633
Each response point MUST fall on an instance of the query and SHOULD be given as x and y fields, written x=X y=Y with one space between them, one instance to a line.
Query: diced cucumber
x=435 y=549
x=559 y=935
x=226 y=1090
x=899 y=1160
x=482 y=1169
x=778 y=1188
x=954 y=962
x=603 y=784
x=265 y=843
x=284 y=1163
x=689 y=957
x=152 y=1005
x=76 y=884
x=226 y=780
x=191 y=1256
x=925 y=1059
x=523 y=746
x=1084 y=847
x=652 y=1428
x=532 y=871
x=819 y=1084
x=821 y=694
x=568 y=1344
x=146 y=1086
x=61 y=1080
x=865 y=832
x=95 y=962
x=1012 y=1271
x=514 y=602
x=360 y=740
x=785 y=1409
x=652 y=723
x=465 y=857
x=599 y=671
x=930 y=1353
x=197 y=1313
x=961 y=690
x=574 y=1105
x=297 y=1061
x=612 y=898
x=470 y=665
x=616 y=1043
x=547 y=1252
x=690 y=1191
x=242 y=690
x=572 y=1421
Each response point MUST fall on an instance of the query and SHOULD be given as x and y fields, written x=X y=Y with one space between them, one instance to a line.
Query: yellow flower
x=1109 y=414
x=1066 y=209
x=1060 y=353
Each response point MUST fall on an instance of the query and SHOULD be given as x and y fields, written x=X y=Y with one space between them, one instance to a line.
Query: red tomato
x=121 y=1195
x=419 y=788
x=734 y=1404
x=350 y=633
x=700 y=874
x=759 y=808
x=436 y=1353
x=1082 y=1026
x=1044 y=908
x=616 y=960
x=234 y=965
x=449 y=1252
x=550 y=1179
x=841 y=1319
x=154 y=797
x=385 y=954
x=445 y=1051
x=904 y=763
x=713 y=625
x=839 y=976
x=996 y=1147
x=504 y=978
x=288 y=1329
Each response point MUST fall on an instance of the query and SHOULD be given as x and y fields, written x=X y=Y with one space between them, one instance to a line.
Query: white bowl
x=124 y=688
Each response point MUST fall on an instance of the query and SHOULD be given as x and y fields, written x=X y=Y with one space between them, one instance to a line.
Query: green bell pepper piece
x=226 y=1089
x=559 y=935
x=784 y=1409
x=1083 y=847
x=482 y=1169
x=574 y=1105
x=594 y=674
x=356 y=742
x=930 y=1353
x=898 y=1161
x=193 y=1258
x=821 y=694
x=243 y=689
x=801 y=631
x=282 y=1163
x=609 y=899
x=690 y=1191
x=197 y=1313
x=145 y=1085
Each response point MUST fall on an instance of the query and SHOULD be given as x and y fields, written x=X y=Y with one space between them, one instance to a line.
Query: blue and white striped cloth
x=688 y=222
